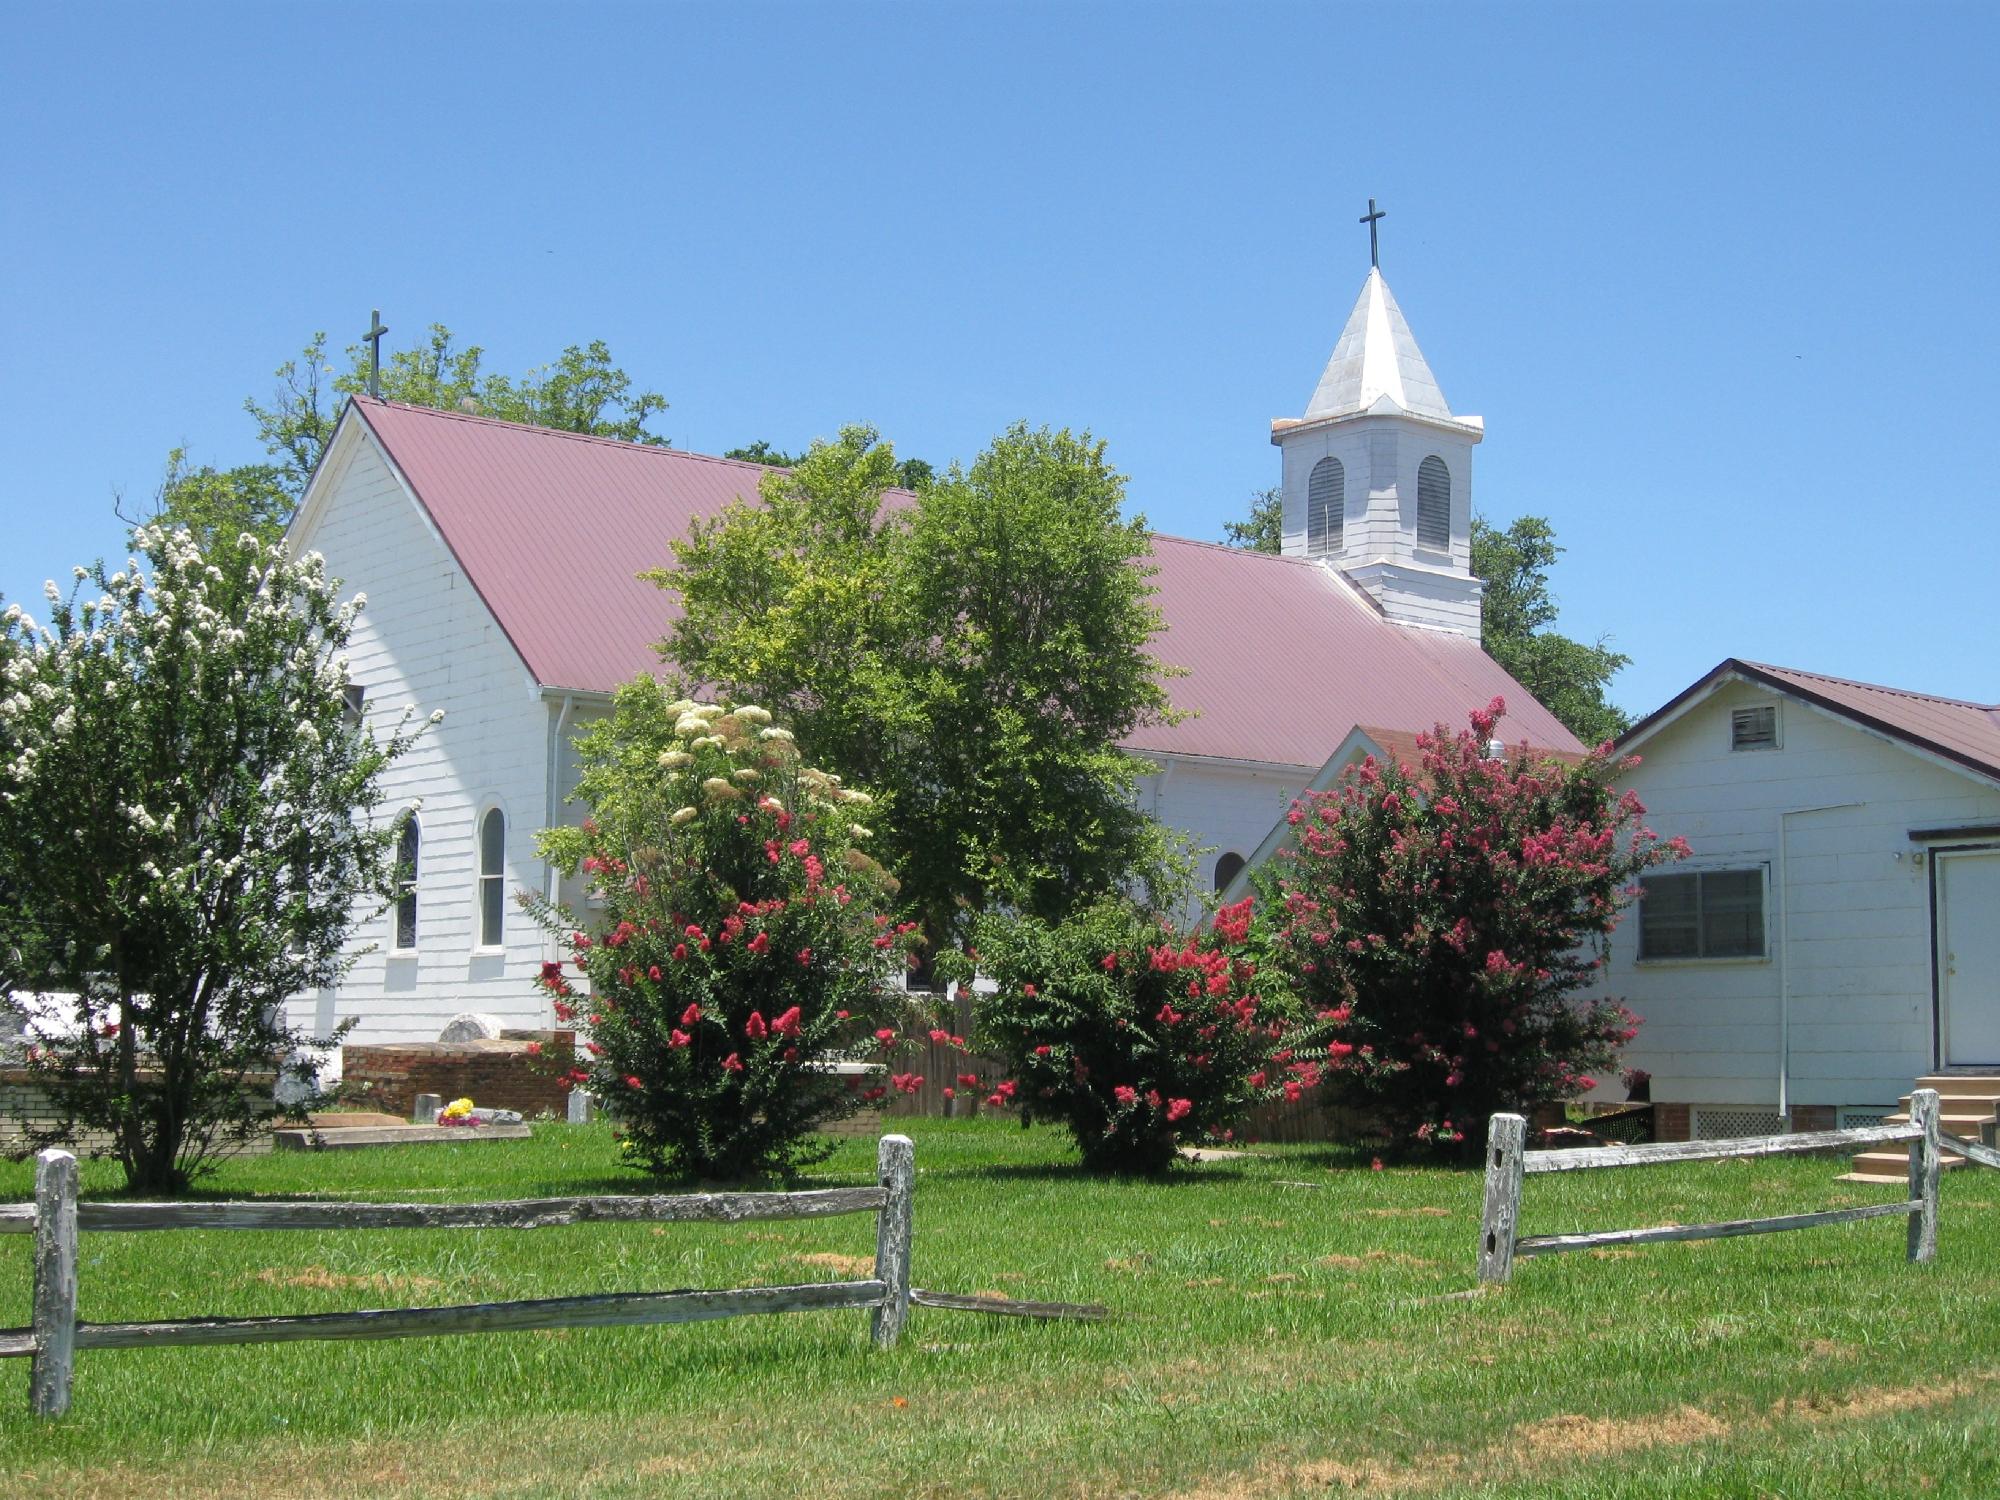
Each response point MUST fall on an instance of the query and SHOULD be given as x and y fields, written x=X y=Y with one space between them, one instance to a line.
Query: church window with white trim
x=492 y=878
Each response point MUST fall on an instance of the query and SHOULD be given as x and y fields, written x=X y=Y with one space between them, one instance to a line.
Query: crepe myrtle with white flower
x=739 y=947
x=185 y=839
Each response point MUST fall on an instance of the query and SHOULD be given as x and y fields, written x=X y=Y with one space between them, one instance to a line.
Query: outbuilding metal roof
x=1282 y=656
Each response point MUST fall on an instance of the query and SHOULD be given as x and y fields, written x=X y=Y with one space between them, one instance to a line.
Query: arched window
x=409 y=848
x=492 y=878
x=1326 y=506
x=1226 y=869
x=1434 y=504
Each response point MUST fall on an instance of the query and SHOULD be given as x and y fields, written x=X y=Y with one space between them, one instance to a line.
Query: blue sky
x=1720 y=278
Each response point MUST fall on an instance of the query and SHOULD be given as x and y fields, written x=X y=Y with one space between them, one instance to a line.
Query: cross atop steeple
x=1374 y=245
x=374 y=339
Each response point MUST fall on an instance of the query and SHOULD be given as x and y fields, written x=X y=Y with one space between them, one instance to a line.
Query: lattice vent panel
x=1735 y=1124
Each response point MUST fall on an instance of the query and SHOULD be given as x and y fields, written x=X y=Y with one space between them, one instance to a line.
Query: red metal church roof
x=1283 y=656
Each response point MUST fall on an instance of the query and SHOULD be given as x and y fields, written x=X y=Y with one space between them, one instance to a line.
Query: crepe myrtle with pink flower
x=1140 y=1038
x=737 y=946
x=1445 y=920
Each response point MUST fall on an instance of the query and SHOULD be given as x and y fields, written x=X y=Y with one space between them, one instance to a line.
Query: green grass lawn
x=1267 y=1340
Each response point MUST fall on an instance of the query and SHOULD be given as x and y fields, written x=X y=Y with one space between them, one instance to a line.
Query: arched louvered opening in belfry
x=1434 y=504
x=1326 y=506
x=1226 y=869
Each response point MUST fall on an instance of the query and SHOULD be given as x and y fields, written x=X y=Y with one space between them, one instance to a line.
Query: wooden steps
x=1969 y=1105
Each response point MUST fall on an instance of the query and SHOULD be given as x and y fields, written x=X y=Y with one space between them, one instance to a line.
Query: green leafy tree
x=183 y=839
x=975 y=656
x=911 y=473
x=1567 y=677
x=1263 y=530
x=737 y=941
x=761 y=452
x=581 y=391
x=220 y=504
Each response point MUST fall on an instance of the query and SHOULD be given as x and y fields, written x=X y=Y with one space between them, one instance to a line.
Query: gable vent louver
x=1754 y=728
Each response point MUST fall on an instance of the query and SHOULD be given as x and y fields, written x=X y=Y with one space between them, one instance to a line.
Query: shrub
x=740 y=945
x=1443 y=920
x=1135 y=1037
x=180 y=849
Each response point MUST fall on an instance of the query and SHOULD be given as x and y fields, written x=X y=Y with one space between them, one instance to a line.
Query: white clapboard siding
x=426 y=640
x=1224 y=806
x=1859 y=943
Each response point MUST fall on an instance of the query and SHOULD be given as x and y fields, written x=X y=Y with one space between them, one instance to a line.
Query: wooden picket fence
x=1507 y=1164
x=56 y=1217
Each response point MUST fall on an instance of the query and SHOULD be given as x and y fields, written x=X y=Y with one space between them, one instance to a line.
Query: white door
x=1969 y=957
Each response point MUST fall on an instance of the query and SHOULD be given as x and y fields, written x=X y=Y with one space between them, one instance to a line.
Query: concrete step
x=353 y=1137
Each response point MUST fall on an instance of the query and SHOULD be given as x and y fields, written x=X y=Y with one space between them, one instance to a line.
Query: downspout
x=551 y=881
x=1784 y=952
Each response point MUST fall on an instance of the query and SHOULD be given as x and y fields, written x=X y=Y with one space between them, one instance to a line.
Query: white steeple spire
x=1378 y=473
x=1377 y=359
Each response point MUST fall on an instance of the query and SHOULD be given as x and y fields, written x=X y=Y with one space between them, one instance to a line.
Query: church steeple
x=1378 y=472
x=1377 y=359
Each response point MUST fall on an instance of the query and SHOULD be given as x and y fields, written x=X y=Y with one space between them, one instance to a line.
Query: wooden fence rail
x=55 y=1219
x=1508 y=1164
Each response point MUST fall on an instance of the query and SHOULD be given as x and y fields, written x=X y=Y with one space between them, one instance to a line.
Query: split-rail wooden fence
x=56 y=1217
x=1507 y=1164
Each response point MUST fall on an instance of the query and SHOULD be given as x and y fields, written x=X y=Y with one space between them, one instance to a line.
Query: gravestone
x=470 y=1026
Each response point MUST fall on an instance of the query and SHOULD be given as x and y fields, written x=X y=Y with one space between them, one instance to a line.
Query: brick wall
x=24 y=1104
x=1673 y=1122
x=495 y=1074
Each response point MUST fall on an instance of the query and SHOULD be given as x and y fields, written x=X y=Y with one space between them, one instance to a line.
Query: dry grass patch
x=1880 y=1401
x=1407 y=1213
x=320 y=1279
x=1373 y=1259
x=861 y=1266
x=1569 y=1436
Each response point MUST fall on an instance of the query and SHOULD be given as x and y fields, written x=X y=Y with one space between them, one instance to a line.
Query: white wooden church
x=499 y=561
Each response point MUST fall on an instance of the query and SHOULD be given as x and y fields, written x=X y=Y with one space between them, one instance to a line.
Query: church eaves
x=1377 y=359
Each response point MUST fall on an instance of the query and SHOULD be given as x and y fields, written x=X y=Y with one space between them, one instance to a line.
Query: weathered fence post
x=1505 y=1136
x=55 y=1283
x=1925 y=1166
x=896 y=1163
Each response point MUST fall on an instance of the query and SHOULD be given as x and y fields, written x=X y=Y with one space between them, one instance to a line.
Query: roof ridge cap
x=1230 y=548
x=479 y=420
x=1877 y=687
